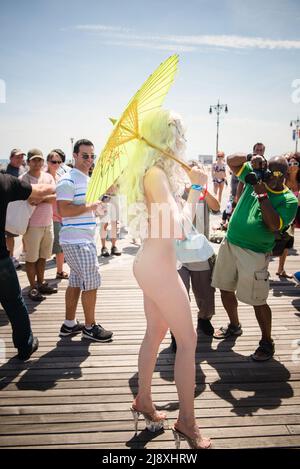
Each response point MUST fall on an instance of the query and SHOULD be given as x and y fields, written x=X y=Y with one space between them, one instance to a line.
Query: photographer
x=258 y=149
x=266 y=206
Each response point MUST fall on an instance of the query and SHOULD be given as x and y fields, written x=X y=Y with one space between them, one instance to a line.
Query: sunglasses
x=86 y=157
x=55 y=162
x=293 y=163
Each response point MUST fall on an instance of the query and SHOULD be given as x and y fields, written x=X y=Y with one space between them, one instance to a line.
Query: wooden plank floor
x=77 y=394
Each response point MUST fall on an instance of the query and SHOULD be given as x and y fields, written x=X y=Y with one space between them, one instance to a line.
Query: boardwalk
x=76 y=394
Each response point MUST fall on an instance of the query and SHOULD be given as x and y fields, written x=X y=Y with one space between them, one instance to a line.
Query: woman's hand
x=198 y=175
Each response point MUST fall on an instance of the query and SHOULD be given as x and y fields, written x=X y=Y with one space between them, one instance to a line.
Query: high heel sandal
x=154 y=423
x=192 y=442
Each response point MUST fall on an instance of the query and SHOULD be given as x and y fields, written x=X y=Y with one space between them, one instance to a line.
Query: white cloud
x=236 y=42
x=146 y=45
x=124 y=36
x=101 y=28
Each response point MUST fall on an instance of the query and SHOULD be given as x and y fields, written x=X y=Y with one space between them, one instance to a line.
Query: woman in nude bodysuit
x=152 y=183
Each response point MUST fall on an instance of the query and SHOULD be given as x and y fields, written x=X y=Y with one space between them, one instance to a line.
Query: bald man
x=241 y=270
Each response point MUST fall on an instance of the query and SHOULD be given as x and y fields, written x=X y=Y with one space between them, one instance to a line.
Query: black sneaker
x=264 y=352
x=66 y=330
x=97 y=333
x=25 y=355
x=205 y=326
x=104 y=252
x=173 y=345
x=115 y=251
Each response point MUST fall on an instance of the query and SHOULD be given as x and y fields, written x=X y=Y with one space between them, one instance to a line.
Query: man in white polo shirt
x=77 y=238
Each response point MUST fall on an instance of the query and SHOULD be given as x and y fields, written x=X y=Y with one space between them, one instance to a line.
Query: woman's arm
x=163 y=209
x=212 y=202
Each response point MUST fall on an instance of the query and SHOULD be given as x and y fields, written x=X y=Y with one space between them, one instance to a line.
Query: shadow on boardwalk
x=231 y=380
x=43 y=373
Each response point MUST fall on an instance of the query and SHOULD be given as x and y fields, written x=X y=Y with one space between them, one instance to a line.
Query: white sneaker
x=16 y=263
x=22 y=257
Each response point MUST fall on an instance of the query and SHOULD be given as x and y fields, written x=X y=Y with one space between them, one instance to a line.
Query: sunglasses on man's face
x=85 y=156
x=293 y=163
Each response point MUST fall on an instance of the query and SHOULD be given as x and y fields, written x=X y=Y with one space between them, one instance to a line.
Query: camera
x=105 y=198
x=258 y=175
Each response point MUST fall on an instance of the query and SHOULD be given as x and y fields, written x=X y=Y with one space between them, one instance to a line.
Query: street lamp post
x=218 y=108
x=296 y=123
x=72 y=146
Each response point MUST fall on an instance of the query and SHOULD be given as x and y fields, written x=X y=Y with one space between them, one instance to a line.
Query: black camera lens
x=251 y=178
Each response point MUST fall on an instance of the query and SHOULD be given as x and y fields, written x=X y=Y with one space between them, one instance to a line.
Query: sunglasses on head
x=293 y=163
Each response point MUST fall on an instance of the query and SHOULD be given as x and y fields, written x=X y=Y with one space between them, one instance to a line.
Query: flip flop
x=283 y=274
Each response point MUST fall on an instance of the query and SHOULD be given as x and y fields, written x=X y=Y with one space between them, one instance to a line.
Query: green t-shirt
x=246 y=227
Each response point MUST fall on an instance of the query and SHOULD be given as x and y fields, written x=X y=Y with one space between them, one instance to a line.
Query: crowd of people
x=264 y=204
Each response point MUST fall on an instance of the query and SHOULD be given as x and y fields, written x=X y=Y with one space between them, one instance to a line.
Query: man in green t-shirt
x=241 y=270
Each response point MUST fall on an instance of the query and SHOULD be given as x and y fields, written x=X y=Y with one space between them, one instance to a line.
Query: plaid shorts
x=84 y=267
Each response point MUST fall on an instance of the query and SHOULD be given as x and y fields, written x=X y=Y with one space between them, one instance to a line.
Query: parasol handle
x=166 y=153
x=185 y=166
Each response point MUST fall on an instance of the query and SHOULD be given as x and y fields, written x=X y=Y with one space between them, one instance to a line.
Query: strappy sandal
x=264 y=352
x=283 y=274
x=154 y=420
x=194 y=443
x=229 y=331
x=62 y=275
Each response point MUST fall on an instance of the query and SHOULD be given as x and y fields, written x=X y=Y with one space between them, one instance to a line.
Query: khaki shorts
x=242 y=271
x=56 y=248
x=38 y=242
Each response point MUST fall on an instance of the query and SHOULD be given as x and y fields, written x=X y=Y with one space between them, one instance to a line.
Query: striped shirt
x=80 y=229
x=42 y=215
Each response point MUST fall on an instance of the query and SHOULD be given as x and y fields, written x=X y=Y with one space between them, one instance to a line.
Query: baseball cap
x=16 y=152
x=34 y=153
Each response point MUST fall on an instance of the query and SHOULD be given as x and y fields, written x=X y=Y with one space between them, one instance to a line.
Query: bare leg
x=72 y=297
x=40 y=270
x=10 y=245
x=282 y=259
x=88 y=300
x=264 y=317
x=221 y=187
x=216 y=188
x=60 y=262
x=155 y=332
x=175 y=310
x=113 y=233
x=103 y=228
x=230 y=304
x=31 y=273
x=172 y=307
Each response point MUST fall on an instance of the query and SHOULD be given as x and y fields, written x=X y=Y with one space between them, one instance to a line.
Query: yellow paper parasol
x=113 y=158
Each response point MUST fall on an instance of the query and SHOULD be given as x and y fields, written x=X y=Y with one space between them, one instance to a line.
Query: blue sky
x=69 y=65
